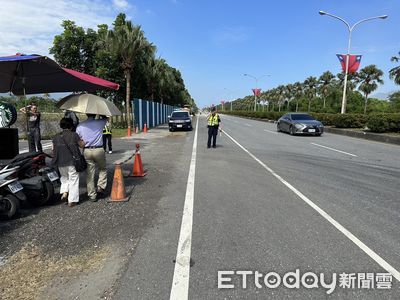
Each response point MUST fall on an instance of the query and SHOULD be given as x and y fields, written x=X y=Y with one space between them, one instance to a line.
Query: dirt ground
x=57 y=252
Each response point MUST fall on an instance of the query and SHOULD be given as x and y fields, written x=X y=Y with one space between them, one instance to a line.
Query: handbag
x=78 y=161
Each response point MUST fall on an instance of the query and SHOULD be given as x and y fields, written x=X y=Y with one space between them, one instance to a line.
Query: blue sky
x=213 y=43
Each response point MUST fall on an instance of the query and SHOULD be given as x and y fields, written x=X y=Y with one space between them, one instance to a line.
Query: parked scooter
x=38 y=179
x=11 y=192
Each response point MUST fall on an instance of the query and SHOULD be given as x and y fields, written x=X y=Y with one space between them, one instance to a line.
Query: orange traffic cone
x=118 y=193
x=137 y=165
x=145 y=128
x=128 y=133
x=137 y=129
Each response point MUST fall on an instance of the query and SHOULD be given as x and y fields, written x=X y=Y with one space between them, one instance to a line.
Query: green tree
x=73 y=48
x=394 y=99
x=325 y=81
x=310 y=86
x=298 y=93
x=369 y=77
x=394 y=73
x=127 y=44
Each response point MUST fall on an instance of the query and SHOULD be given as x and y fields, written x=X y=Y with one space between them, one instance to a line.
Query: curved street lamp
x=255 y=94
x=350 y=29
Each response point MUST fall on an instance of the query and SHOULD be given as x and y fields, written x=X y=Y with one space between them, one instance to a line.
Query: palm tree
x=280 y=92
x=351 y=81
x=298 y=93
x=128 y=43
x=325 y=81
x=289 y=88
x=310 y=85
x=394 y=73
x=368 y=78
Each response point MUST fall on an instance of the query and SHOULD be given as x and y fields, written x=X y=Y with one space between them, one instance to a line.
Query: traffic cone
x=145 y=128
x=128 y=133
x=118 y=193
x=137 y=129
x=137 y=165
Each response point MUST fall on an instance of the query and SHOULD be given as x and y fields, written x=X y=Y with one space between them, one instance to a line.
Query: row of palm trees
x=128 y=43
x=122 y=54
x=314 y=89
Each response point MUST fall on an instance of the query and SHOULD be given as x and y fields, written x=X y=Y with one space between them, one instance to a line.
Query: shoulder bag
x=78 y=161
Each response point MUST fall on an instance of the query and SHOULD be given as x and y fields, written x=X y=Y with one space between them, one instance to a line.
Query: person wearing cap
x=91 y=132
x=213 y=121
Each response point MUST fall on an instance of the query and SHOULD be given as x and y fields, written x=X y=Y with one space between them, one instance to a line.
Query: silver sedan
x=300 y=123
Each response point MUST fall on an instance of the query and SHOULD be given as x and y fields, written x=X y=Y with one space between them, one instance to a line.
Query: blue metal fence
x=151 y=113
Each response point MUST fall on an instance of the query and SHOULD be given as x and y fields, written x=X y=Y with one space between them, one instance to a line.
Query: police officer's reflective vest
x=213 y=120
x=107 y=129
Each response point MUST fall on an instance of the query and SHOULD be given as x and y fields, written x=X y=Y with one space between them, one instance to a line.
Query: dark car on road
x=180 y=120
x=300 y=123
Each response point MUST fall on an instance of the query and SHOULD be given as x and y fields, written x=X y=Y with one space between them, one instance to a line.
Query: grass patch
x=27 y=273
x=119 y=132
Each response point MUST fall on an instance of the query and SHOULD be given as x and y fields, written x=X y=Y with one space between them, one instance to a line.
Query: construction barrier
x=150 y=113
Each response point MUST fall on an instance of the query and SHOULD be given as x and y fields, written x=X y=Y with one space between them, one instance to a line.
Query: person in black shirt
x=65 y=145
x=34 y=137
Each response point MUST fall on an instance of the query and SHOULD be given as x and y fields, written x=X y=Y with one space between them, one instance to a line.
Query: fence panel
x=151 y=113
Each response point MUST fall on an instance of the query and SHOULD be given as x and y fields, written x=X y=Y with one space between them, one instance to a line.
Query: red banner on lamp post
x=256 y=92
x=354 y=62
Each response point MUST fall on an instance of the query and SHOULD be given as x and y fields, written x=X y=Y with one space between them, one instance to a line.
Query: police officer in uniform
x=213 y=121
x=107 y=135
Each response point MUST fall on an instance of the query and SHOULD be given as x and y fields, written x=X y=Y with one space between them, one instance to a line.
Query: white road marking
x=180 y=283
x=270 y=131
x=247 y=124
x=348 y=234
x=44 y=146
x=334 y=149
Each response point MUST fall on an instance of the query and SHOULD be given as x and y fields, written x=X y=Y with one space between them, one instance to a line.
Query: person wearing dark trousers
x=107 y=135
x=34 y=136
x=213 y=121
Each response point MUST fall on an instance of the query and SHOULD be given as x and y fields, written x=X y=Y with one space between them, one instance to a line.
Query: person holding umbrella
x=91 y=132
x=34 y=137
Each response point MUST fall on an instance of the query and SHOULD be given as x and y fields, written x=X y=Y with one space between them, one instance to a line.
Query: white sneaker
x=109 y=152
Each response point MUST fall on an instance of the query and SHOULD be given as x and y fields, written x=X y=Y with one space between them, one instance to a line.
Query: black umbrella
x=34 y=74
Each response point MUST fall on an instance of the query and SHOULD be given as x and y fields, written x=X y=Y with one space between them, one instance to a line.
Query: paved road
x=270 y=202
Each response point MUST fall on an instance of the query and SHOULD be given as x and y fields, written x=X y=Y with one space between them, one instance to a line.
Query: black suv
x=180 y=120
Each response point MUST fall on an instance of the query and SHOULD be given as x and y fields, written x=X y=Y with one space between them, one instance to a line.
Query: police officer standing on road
x=213 y=121
x=34 y=137
x=107 y=136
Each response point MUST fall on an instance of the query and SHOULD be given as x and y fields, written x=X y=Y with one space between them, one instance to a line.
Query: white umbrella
x=89 y=104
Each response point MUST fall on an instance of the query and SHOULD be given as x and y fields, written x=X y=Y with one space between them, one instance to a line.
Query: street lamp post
x=350 y=29
x=230 y=97
x=255 y=93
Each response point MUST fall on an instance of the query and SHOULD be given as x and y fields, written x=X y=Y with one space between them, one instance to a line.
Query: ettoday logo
x=273 y=280
x=308 y=280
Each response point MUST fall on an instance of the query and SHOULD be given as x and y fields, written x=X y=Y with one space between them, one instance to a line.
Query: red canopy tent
x=34 y=74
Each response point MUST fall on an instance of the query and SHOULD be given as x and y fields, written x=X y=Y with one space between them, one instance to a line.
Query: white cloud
x=230 y=35
x=29 y=26
x=121 y=4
